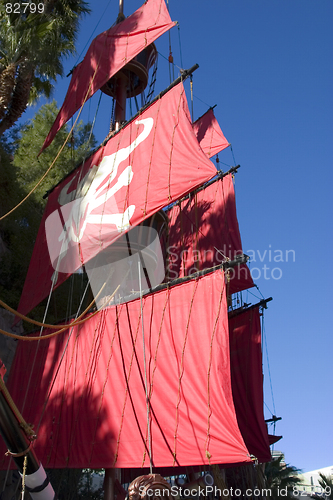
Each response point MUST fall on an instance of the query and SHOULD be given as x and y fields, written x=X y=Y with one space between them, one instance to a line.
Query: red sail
x=247 y=381
x=203 y=232
x=95 y=415
x=209 y=134
x=153 y=161
x=108 y=53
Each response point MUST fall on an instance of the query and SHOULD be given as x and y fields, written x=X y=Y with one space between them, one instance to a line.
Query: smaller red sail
x=88 y=392
x=247 y=381
x=204 y=232
x=209 y=134
x=108 y=53
x=150 y=163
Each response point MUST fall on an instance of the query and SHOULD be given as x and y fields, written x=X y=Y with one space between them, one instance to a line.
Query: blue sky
x=267 y=64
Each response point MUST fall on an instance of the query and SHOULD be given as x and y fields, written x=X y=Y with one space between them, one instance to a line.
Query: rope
x=58 y=367
x=21 y=454
x=145 y=373
x=180 y=46
x=92 y=34
x=170 y=58
x=40 y=334
x=105 y=382
x=232 y=152
x=269 y=371
x=26 y=427
x=127 y=391
x=65 y=327
x=198 y=230
x=208 y=455
x=172 y=139
x=151 y=159
x=182 y=368
x=178 y=67
x=25 y=463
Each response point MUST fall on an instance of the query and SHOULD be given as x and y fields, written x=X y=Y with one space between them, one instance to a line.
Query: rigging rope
x=92 y=34
x=145 y=373
x=170 y=58
x=61 y=359
x=42 y=324
x=63 y=327
x=180 y=46
x=209 y=410
x=191 y=86
x=25 y=463
x=269 y=371
x=181 y=370
x=31 y=435
x=40 y=333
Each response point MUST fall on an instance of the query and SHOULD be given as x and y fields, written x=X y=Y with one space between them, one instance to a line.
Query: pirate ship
x=163 y=374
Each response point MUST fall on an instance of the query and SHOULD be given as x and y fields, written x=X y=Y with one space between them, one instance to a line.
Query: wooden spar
x=218 y=176
x=241 y=310
x=240 y=259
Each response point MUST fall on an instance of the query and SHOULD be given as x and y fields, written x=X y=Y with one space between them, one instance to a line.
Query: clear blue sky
x=267 y=64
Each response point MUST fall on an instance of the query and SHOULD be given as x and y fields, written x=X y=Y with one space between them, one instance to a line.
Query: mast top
x=121 y=16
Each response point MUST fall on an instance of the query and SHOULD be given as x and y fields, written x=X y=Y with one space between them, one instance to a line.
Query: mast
x=120 y=109
x=131 y=80
x=20 y=449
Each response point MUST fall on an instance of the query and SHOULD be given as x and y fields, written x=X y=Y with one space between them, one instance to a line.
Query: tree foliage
x=30 y=168
x=21 y=171
x=32 y=45
x=326 y=482
x=281 y=476
x=76 y=484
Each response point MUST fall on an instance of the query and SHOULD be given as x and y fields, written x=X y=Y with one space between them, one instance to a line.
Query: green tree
x=281 y=476
x=326 y=482
x=76 y=484
x=21 y=171
x=32 y=45
x=29 y=168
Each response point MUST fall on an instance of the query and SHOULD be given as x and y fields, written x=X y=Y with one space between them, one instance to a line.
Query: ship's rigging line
x=269 y=371
x=145 y=371
x=59 y=364
x=170 y=53
x=54 y=279
x=63 y=327
x=92 y=34
x=180 y=46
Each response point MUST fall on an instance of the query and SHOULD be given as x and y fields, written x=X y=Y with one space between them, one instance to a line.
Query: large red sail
x=95 y=414
x=247 y=381
x=108 y=53
x=150 y=163
x=203 y=232
x=209 y=134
